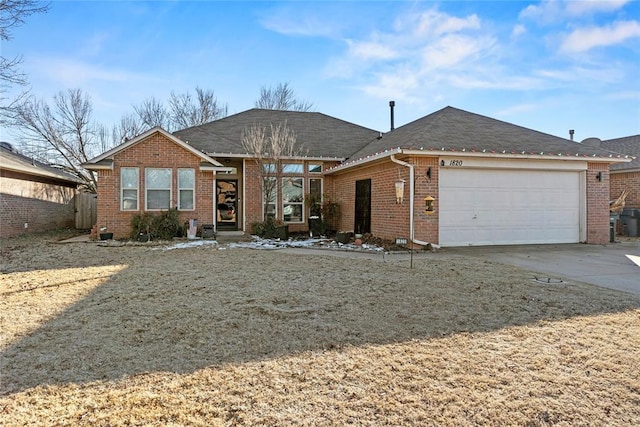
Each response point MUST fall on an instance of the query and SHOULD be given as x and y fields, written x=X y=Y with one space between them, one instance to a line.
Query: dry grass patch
x=222 y=337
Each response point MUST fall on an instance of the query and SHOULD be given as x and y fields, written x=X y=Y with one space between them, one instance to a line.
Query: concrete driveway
x=611 y=266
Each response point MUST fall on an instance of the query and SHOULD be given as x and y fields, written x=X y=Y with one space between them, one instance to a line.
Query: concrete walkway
x=611 y=266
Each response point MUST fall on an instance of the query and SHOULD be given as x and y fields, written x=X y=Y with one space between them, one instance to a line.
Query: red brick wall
x=630 y=181
x=156 y=151
x=252 y=195
x=43 y=206
x=597 y=203
x=388 y=218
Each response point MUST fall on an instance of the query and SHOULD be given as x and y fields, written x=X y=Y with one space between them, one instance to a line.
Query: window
x=315 y=168
x=269 y=168
x=158 y=186
x=315 y=194
x=292 y=199
x=270 y=195
x=186 y=189
x=129 y=189
x=296 y=168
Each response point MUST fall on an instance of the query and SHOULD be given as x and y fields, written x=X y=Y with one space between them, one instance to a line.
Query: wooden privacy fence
x=86 y=210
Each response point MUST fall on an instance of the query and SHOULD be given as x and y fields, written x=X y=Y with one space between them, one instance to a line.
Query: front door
x=227 y=204
x=363 y=207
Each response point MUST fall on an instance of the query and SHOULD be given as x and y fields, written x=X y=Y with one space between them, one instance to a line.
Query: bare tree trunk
x=269 y=150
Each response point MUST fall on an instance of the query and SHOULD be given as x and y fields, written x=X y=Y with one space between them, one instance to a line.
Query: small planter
x=144 y=237
x=315 y=226
x=106 y=236
x=282 y=232
x=343 y=237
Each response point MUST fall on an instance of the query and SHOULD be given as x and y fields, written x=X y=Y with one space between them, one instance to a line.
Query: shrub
x=164 y=226
x=267 y=229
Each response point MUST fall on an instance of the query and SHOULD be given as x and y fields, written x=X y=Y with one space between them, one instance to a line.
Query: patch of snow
x=190 y=244
x=274 y=244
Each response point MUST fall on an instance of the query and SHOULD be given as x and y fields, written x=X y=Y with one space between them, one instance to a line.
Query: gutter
x=411 y=202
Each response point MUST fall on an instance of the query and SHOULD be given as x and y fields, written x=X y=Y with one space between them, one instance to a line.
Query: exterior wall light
x=428 y=204
x=399 y=191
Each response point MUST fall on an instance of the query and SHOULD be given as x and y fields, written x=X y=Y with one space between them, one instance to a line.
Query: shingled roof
x=629 y=145
x=12 y=160
x=318 y=135
x=452 y=130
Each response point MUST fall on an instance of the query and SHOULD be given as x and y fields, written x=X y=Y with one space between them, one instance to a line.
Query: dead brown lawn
x=135 y=335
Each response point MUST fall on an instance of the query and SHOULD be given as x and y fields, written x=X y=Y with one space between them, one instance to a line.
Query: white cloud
x=435 y=23
x=609 y=73
x=371 y=50
x=401 y=86
x=583 y=39
x=494 y=81
x=634 y=95
x=452 y=50
x=73 y=73
x=584 y=7
x=518 y=30
x=548 y=11
x=301 y=23
x=417 y=51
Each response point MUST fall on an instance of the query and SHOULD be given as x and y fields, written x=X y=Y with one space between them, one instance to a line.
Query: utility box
x=208 y=231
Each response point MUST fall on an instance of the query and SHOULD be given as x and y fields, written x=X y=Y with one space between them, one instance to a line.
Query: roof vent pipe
x=571 y=132
x=391 y=105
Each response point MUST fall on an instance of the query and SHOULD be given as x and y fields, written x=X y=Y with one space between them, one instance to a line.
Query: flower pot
x=282 y=232
x=343 y=237
x=315 y=226
x=106 y=236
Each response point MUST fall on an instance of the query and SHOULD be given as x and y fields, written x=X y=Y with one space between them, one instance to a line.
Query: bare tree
x=187 y=113
x=182 y=111
x=152 y=113
x=282 y=97
x=129 y=127
x=269 y=149
x=62 y=135
x=13 y=13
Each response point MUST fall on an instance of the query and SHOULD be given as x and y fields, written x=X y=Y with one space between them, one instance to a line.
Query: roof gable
x=317 y=135
x=103 y=159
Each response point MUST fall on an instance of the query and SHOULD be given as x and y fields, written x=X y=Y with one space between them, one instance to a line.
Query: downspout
x=411 y=202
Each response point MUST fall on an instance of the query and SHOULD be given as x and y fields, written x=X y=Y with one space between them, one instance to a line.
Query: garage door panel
x=485 y=207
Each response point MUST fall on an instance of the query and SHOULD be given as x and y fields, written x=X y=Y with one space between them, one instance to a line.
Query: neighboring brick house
x=451 y=178
x=625 y=175
x=34 y=196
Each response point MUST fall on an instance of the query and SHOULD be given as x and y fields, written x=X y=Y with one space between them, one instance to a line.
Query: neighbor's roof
x=628 y=145
x=318 y=135
x=451 y=130
x=11 y=160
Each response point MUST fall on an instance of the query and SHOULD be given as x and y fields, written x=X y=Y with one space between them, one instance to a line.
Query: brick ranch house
x=451 y=178
x=34 y=196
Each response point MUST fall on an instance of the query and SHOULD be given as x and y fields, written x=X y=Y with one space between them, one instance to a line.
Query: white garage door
x=503 y=207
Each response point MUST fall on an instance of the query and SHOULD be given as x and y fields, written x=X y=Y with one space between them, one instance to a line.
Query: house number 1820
x=455 y=162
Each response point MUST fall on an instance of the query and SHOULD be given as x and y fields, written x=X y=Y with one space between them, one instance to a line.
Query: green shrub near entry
x=163 y=226
x=267 y=229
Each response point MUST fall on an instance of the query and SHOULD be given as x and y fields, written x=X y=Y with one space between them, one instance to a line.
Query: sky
x=550 y=65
